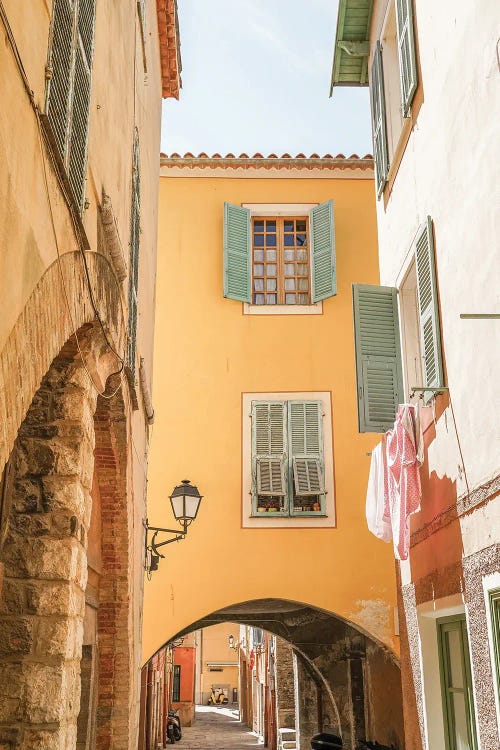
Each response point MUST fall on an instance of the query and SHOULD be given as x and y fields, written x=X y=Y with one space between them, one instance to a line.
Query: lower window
x=176 y=684
x=287 y=458
x=456 y=684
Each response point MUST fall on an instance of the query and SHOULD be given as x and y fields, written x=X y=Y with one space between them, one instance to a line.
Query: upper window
x=393 y=82
x=279 y=260
x=68 y=92
x=379 y=367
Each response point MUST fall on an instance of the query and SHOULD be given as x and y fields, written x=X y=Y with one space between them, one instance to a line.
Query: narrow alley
x=218 y=727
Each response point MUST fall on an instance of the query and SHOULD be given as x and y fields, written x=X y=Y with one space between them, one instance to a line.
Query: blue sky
x=256 y=78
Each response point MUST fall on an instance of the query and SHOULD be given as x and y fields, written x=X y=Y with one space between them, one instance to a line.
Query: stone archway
x=43 y=602
x=344 y=673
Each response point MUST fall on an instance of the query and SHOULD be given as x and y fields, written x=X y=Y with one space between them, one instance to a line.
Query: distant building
x=81 y=87
x=433 y=71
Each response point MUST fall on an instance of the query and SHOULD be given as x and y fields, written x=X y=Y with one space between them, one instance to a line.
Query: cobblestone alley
x=217 y=728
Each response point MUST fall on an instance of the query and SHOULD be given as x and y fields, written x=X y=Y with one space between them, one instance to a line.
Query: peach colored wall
x=207 y=355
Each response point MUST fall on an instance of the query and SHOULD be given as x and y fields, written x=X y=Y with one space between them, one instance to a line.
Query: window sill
x=286 y=515
x=314 y=309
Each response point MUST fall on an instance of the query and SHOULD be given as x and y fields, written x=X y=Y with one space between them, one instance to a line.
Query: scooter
x=174 y=732
x=217 y=700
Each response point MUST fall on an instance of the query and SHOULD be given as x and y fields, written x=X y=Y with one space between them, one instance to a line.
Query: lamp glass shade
x=185 y=501
x=231 y=641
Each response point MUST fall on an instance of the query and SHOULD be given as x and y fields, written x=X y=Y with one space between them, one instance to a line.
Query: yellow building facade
x=217 y=663
x=223 y=365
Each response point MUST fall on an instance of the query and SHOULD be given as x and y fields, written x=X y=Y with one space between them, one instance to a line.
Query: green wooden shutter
x=61 y=64
x=269 y=450
x=80 y=110
x=237 y=253
x=378 y=356
x=430 y=330
x=406 y=51
x=324 y=274
x=135 y=238
x=494 y=601
x=379 y=125
x=305 y=429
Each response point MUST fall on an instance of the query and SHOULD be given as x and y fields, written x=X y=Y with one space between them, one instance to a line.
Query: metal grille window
x=176 y=684
x=280 y=261
x=287 y=458
x=135 y=231
x=69 y=85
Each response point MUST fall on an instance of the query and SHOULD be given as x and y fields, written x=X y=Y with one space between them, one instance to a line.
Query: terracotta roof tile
x=170 y=56
x=268 y=162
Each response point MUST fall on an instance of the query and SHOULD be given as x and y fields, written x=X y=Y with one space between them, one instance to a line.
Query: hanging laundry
x=377 y=495
x=404 y=458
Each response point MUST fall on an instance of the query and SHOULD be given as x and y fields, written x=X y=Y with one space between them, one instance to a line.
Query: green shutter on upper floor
x=237 y=253
x=378 y=356
x=430 y=329
x=406 y=51
x=379 y=121
x=323 y=264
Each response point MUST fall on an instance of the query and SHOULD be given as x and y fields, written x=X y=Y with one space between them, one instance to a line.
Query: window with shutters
x=287 y=458
x=279 y=261
x=69 y=86
x=176 y=684
x=393 y=83
x=135 y=237
x=381 y=325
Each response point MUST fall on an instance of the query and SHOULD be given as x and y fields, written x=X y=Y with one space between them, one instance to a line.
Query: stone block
x=42 y=557
x=45 y=694
x=63 y=494
x=61 y=636
x=16 y=636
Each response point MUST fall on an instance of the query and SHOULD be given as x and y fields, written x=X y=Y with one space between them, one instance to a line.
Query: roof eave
x=361 y=79
x=170 y=54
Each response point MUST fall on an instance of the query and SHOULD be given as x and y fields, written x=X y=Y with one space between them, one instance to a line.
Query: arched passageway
x=345 y=681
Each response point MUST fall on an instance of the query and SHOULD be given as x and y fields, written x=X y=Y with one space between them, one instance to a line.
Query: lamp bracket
x=179 y=534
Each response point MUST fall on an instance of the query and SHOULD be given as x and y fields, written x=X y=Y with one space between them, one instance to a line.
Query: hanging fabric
x=404 y=458
x=377 y=495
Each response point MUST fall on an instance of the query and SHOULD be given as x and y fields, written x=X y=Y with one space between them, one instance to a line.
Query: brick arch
x=44 y=327
x=42 y=603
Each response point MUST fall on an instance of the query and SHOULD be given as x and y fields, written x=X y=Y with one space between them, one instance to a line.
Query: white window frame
x=283 y=209
x=263 y=522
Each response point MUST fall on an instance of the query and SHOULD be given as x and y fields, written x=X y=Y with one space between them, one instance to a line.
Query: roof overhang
x=352 y=44
x=170 y=54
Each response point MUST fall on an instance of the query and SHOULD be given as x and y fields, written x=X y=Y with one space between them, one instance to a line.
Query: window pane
x=288 y=226
x=289 y=269
x=271 y=240
x=455 y=653
x=289 y=255
x=301 y=239
x=303 y=299
x=460 y=716
x=270 y=225
x=290 y=285
x=302 y=269
x=271 y=299
x=258 y=255
x=289 y=240
x=290 y=299
x=258 y=285
x=259 y=224
x=258 y=240
x=258 y=299
x=271 y=270
x=300 y=225
x=271 y=255
x=300 y=255
x=303 y=284
x=271 y=285
x=258 y=270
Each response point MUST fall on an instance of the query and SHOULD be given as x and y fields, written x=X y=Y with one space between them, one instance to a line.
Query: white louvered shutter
x=430 y=329
x=378 y=356
x=237 y=253
x=80 y=110
x=379 y=124
x=269 y=447
x=61 y=64
x=323 y=264
x=306 y=446
x=406 y=52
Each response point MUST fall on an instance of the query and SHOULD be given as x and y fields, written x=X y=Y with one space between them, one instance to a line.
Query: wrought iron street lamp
x=232 y=643
x=185 y=500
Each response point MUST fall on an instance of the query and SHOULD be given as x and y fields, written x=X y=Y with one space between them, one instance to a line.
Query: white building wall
x=450 y=171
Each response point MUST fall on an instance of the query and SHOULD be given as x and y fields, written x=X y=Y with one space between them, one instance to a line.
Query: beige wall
x=126 y=93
